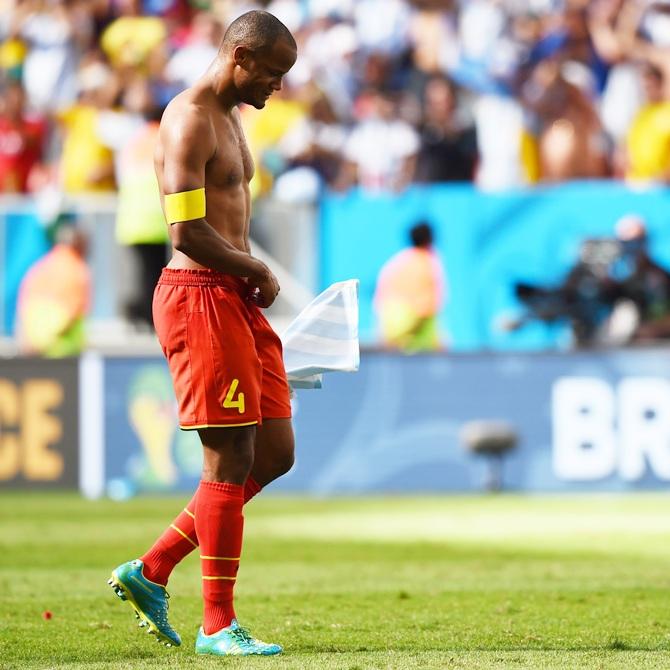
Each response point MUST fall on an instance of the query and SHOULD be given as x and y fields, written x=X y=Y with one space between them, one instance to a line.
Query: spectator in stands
x=131 y=39
x=571 y=142
x=55 y=32
x=569 y=35
x=140 y=224
x=381 y=25
x=189 y=62
x=179 y=11
x=576 y=52
x=621 y=96
x=327 y=56
x=264 y=132
x=448 y=146
x=86 y=163
x=54 y=299
x=380 y=153
x=22 y=137
x=312 y=151
x=349 y=47
x=434 y=42
x=642 y=35
x=410 y=294
x=13 y=52
x=648 y=140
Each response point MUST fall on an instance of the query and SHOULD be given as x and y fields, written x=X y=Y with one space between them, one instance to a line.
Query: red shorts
x=225 y=359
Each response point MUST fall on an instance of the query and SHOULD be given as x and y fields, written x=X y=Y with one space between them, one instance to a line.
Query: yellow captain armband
x=185 y=206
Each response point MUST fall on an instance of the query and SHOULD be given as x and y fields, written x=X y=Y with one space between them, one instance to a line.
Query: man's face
x=262 y=72
x=14 y=101
x=652 y=84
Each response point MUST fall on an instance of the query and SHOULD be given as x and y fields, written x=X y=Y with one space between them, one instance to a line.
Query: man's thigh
x=211 y=352
x=275 y=401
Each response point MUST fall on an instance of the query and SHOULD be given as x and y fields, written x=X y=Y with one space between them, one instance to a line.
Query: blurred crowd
x=504 y=93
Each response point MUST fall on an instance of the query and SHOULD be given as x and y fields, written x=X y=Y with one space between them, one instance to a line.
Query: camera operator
x=615 y=293
x=642 y=281
x=585 y=298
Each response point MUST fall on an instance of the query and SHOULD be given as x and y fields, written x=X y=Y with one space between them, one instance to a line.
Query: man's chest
x=232 y=162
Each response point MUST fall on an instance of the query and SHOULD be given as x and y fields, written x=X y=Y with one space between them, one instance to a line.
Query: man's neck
x=218 y=80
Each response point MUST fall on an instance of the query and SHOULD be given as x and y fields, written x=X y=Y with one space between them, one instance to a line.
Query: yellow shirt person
x=648 y=144
x=86 y=163
x=129 y=40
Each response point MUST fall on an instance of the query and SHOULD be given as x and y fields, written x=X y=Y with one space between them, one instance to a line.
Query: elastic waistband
x=203 y=278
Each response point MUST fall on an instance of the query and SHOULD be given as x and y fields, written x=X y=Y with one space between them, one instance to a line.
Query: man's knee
x=285 y=459
x=275 y=448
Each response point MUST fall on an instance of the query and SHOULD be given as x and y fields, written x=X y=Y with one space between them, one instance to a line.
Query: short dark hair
x=256 y=30
x=421 y=235
x=651 y=70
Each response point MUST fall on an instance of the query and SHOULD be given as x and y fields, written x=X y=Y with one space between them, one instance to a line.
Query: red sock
x=251 y=488
x=219 y=523
x=172 y=547
x=177 y=542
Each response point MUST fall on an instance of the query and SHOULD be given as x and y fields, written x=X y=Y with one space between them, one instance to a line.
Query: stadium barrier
x=592 y=421
x=488 y=242
x=287 y=232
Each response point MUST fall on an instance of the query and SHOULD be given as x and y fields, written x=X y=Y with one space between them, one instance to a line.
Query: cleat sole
x=124 y=594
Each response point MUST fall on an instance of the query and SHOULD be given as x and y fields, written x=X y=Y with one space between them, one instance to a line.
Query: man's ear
x=242 y=55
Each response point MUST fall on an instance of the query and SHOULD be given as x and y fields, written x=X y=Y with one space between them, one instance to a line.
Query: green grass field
x=495 y=582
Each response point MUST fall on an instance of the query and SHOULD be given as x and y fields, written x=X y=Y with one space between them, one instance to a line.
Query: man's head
x=69 y=235
x=206 y=29
x=653 y=83
x=262 y=51
x=130 y=7
x=631 y=231
x=421 y=235
x=439 y=99
x=13 y=100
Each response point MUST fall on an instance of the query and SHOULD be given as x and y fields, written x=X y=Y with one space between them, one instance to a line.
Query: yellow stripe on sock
x=230 y=579
x=184 y=535
x=219 y=558
x=189 y=513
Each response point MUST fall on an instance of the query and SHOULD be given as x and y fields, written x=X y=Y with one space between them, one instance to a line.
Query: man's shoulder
x=187 y=110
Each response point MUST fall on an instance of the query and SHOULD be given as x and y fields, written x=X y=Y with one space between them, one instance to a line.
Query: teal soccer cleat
x=149 y=600
x=233 y=641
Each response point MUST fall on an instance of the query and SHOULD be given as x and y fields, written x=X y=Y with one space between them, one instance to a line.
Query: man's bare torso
x=227 y=172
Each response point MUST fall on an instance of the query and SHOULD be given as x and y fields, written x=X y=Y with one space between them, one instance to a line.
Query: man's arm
x=188 y=145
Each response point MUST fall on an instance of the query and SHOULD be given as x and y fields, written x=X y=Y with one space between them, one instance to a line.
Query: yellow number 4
x=229 y=402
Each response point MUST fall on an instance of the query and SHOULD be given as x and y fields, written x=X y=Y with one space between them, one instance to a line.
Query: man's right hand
x=264 y=288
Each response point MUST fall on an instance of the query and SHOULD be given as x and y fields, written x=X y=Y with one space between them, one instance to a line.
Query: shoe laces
x=243 y=635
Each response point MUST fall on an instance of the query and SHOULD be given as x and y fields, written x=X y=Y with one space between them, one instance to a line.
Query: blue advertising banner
x=144 y=448
x=487 y=242
x=586 y=422
x=22 y=242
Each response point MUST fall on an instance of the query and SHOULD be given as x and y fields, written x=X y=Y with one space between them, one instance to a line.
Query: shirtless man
x=225 y=359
